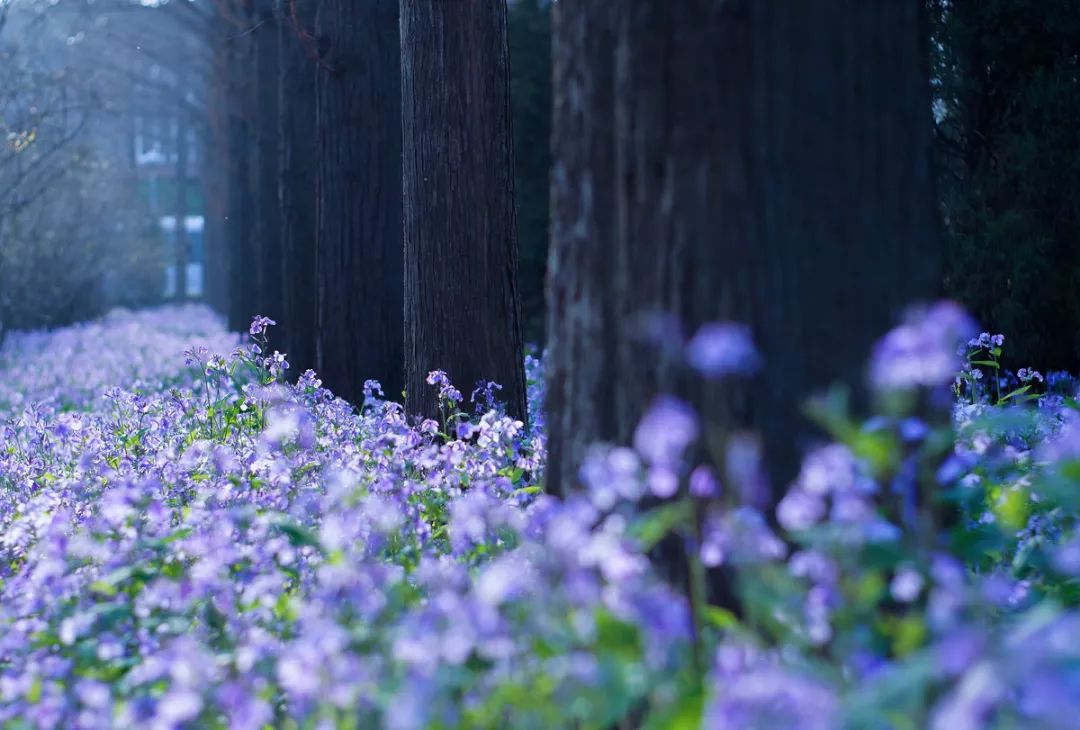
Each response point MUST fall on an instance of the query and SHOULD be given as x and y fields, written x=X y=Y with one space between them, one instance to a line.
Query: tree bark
x=215 y=178
x=761 y=162
x=462 y=311
x=296 y=183
x=358 y=211
x=583 y=311
x=242 y=271
x=265 y=168
x=180 y=260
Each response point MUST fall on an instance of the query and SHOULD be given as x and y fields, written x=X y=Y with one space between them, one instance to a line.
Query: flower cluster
x=229 y=550
x=188 y=540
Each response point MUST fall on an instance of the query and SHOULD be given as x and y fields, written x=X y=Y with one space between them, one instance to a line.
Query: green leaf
x=653 y=526
x=1019 y=391
x=685 y=714
x=616 y=637
x=104 y=588
x=33 y=695
x=909 y=636
x=720 y=618
x=299 y=536
x=109 y=585
x=1012 y=509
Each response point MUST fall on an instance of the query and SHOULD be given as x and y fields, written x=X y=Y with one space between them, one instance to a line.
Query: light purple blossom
x=921 y=352
x=259 y=325
x=722 y=348
x=666 y=430
x=906 y=585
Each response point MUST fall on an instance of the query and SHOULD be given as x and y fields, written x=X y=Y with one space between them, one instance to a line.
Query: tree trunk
x=215 y=177
x=753 y=161
x=358 y=211
x=461 y=292
x=180 y=259
x=296 y=184
x=267 y=212
x=243 y=274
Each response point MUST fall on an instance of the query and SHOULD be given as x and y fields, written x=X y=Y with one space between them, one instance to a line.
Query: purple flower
x=665 y=432
x=1027 y=375
x=259 y=325
x=178 y=706
x=703 y=483
x=447 y=392
x=611 y=475
x=906 y=585
x=1065 y=444
x=722 y=348
x=753 y=689
x=196 y=355
x=1067 y=556
x=834 y=469
x=663 y=482
x=922 y=351
x=484 y=396
x=913 y=429
x=800 y=510
x=743 y=461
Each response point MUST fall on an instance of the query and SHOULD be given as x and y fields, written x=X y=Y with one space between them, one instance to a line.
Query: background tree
x=296 y=185
x=242 y=269
x=358 y=210
x=181 y=204
x=529 y=23
x=1007 y=100
x=772 y=167
x=462 y=311
x=76 y=237
x=266 y=168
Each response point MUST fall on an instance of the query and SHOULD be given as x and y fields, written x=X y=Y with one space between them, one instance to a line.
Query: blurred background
x=117 y=117
x=106 y=114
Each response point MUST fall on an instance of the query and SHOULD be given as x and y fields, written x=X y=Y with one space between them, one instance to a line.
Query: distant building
x=156 y=141
x=193 y=225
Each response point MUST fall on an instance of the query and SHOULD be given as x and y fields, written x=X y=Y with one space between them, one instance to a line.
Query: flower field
x=188 y=540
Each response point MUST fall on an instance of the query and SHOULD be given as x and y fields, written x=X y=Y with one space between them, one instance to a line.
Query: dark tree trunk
x=215 y=179
x=461 y=293
x=180 y=259
x=755 y=161
x=297 y=155
x=358 y=242
x=583 y=395
x=214 y=237
x=265 y=167
x=242 y=269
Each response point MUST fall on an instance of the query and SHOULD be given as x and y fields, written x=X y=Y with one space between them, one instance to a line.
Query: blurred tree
x=529 y=23
x=216 y=176
x=266 y=151
x=1007 y=78
x=462 y=304
x=71 y=225
x=296 y=90
x=181 y=207
x=760 y=162
x=358 y=209
x=239 y=163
